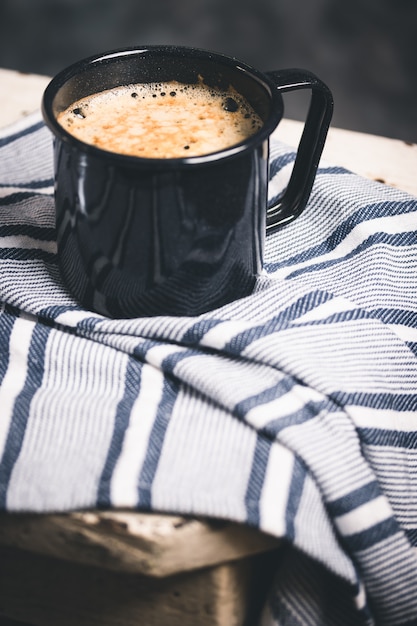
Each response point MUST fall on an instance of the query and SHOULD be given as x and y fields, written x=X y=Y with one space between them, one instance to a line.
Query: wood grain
x=126 y=541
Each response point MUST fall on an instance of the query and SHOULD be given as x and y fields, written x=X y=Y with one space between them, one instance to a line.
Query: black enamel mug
x=174 y=236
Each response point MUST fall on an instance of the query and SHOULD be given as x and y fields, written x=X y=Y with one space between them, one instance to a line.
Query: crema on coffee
x=162 y=120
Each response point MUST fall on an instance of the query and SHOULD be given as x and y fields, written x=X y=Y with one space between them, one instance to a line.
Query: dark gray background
x=365 y=50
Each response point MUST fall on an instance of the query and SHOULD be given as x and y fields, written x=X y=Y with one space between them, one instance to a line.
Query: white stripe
x=294 y=400
x=321 y=312
x=360 y=598
x=384 y=419
x=353 y=356
x=124 y=484
x=278 y=183
x=73 y=317
x=21 y=124
x=315 y=533
x=218 y=336
x=203 y=447
x=274 y=497
x=70 y=426
x=23 y=242
x=364 y=516
x=406 y=333
x=15 y=376
x=156 y=355
x=224 y=380
x=405 y=222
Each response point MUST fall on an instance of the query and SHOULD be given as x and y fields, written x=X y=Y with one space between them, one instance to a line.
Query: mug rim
x=64 y=75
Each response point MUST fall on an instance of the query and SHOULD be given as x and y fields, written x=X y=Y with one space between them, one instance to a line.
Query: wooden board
x=44 y=591
x=149 y=544
x=388 y=161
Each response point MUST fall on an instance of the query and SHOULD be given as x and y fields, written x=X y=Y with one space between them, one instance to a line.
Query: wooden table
x=122 y=568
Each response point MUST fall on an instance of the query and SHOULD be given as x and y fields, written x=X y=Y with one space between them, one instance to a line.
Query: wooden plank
x=385 y=160
x=20 y=94
x=154 y=545
x=45 y=592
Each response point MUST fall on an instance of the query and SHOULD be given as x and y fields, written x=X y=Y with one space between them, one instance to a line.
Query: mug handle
x=311 y=145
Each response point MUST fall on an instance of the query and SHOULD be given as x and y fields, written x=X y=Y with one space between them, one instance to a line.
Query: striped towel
x=292 y=410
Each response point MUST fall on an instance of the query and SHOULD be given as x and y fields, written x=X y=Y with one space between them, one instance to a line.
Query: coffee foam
x=162 y=120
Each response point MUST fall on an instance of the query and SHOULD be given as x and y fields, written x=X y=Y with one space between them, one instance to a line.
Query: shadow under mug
x=174 y=236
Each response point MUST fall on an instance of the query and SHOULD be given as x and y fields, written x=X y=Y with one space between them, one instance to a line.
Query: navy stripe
x=300 y=307
x=170 y=391
x=278 y=163
x=32 y=184
x=16 y=197
x=371 y=536
x=353 y=499
x=393 y=401
x=309 y=411
x=256 y=479
x=363 y=214
x=396 y=316
x=121 y=423
x=171 y=361
x=339 y=318
x=156 y=439
x=4 y=141
x=412 y=535
x=275 y=167
x=396 y=240
x=7 y=320
x=43 y=233
x=195 y=333
x=267 y=395
x=88 y=324
x=54 y=311
x=334 y=169
x=387 y=316
x=15 y=437
x=412 y=345
x=27 y=254
x=295 y=492
x=388 y=438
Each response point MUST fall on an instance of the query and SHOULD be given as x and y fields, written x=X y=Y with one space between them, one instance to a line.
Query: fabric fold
x=291 y=410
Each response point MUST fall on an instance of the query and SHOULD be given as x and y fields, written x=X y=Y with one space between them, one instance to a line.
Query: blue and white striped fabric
x=293 y=410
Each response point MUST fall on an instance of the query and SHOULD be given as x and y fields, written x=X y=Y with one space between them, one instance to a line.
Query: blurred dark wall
x=366 y=50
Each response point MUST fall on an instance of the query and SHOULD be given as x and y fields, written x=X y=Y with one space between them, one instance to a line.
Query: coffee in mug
x=179 y=229
x=162 y=120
